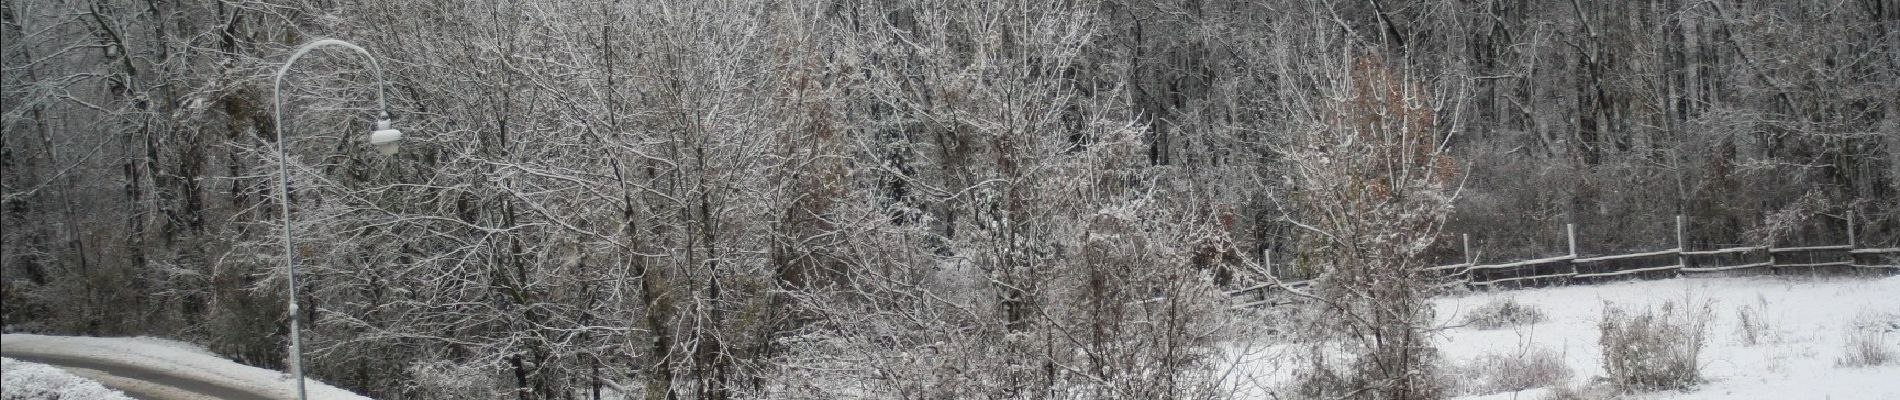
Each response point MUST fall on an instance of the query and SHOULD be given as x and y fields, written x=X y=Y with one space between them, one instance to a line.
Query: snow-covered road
x=139 y=382
x=149 y=368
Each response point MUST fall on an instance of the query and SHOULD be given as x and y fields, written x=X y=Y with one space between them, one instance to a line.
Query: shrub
x=1564 y=392
x=1501 y=313
x=1510 y=372
x=1653 y=350
x=440 y=379
x=1752 y=325
x=1749 y=326
x=1333 y=371
x=1865 y=349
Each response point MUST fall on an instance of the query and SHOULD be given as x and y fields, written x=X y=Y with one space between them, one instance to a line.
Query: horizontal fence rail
x=1667 y=263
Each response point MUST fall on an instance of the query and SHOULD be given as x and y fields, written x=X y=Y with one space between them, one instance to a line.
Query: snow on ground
x=1807 y=321
x=1807 y=326
x=174 y=358
x=25 y=380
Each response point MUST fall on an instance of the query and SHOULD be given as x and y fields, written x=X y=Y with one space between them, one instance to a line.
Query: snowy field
x=1802 y=330
x=25 y=380
x=168 y=357
x=1801 y=333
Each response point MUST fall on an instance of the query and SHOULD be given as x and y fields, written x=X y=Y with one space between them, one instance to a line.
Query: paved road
x=140 y=383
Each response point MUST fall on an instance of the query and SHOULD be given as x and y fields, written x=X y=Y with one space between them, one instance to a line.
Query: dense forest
x=893 y=198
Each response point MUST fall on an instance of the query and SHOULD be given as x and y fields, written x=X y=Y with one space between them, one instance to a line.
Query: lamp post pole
x=384 y=138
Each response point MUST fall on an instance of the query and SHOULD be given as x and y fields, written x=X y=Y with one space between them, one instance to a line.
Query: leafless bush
x=1512 y=371
x=1865 y=349
x=1652 y=350
x=1878 y=322
x=1319 y=377
x=1502 y=313
x=437 y=379
x=1338 y=370
x=1566 y=392
x=1749 y=326
x=1375 y=195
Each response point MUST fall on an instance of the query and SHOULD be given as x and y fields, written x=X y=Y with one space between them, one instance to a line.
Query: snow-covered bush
x=1512 y=371
x=1650 y=350
x=1375 y=188
x=1587 y=392
x=1865 y=349
x=1502 y=313
x=447 y=380
x=1868 y=344
x=1749 y=326
x=20 y=380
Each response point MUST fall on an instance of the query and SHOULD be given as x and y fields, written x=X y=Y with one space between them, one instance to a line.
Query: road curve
x=139 y=382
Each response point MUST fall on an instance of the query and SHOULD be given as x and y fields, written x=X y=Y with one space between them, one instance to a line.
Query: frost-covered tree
x=1375 y=183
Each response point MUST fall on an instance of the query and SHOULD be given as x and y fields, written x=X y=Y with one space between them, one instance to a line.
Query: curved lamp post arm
x=384 y=138
x=382 y=86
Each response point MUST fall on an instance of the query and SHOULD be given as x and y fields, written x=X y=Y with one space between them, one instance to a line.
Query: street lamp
x=385 y=139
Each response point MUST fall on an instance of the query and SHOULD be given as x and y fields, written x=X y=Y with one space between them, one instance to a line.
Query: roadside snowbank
x=172 y=357
x=25 y=380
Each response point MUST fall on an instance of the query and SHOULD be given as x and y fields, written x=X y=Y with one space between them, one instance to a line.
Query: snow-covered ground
x=25 y=380
x=1806 y=324
x=169 y=357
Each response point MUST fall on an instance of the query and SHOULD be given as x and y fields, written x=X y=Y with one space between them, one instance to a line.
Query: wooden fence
x=1667 y=263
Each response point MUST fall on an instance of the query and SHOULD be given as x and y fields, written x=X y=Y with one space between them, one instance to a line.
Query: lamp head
x=385 y=139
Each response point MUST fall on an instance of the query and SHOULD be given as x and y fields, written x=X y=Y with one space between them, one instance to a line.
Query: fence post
x=1570 y=231
x=1850 y=231
x=1773 y=265
x=1466 y=270
x=1851 y=261
x=1682 y=245
x=1266 y=259
x=1467 y=238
